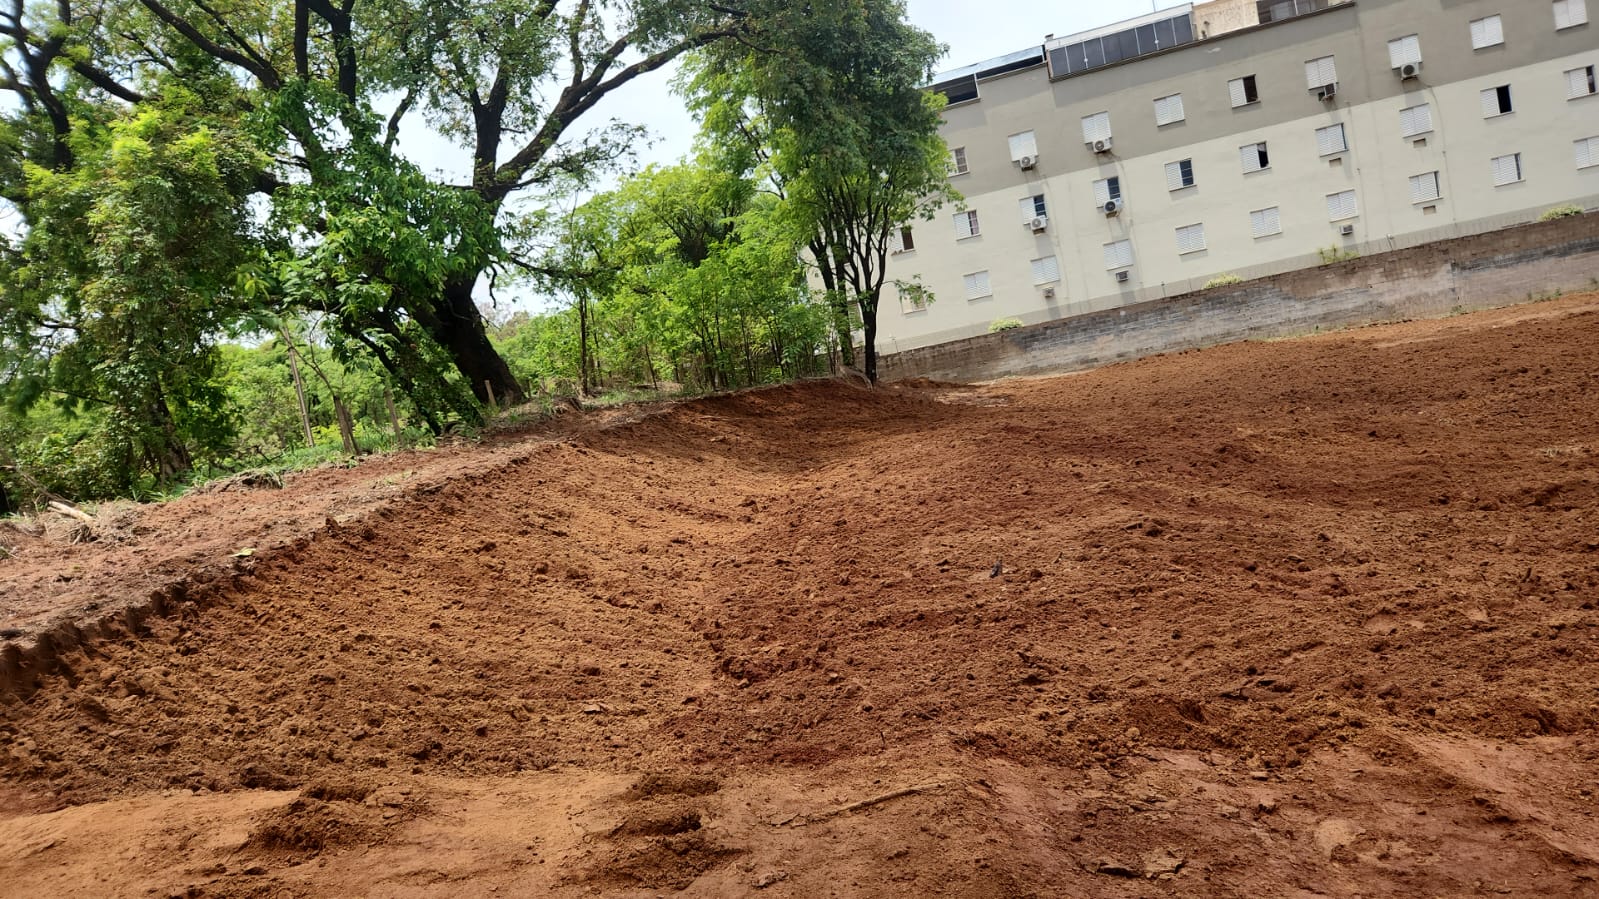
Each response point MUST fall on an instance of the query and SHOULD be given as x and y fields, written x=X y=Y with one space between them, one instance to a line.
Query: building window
x=966 y=224
x=1118 y=254
x=1169 y=110
x=1496 y=101
x=1179 y=174
x=1107 y=189
x=957 y=161
x=1096 y=127
x=1046 y=270
x=1415 y=120
x=1320 y=72
x=1190 y=239
x=977 y=286
x=1403 y=51
x=1243 y=91
x=1031 y=207
x=914 y=298
x=1341 y=206
x=1424 y=187
x=1487 y=32
x=1330 y=139
x=900 y=241
x=1570 y=13
x=1506 y=169
x=1587 y=152
x=1023 y=145
x=1265 y=222
x=1579 y=82
x=1253 y=157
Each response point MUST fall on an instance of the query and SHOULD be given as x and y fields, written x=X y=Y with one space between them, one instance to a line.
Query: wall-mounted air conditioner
x=1123 y=276
x=1409 y=70
x=1347 y=230
x=1027 y=162
x=1049 y=293
x=1326 y=92
x=1102 y=145
x=1112 y=207
x=1040 y=222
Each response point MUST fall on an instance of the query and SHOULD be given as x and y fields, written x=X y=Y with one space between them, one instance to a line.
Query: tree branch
x=264 y=74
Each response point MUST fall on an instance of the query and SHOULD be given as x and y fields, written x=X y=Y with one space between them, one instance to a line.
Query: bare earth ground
x=1310 y=617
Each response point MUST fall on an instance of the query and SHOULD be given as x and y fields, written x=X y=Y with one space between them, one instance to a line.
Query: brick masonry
x=1477 y=272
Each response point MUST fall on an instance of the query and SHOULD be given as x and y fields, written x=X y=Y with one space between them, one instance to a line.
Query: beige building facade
x=1147 y=158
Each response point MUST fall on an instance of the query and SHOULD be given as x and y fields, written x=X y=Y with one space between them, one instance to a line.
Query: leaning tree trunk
x=458 y=327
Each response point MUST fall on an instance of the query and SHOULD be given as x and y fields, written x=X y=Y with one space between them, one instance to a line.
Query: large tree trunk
x=458 y=328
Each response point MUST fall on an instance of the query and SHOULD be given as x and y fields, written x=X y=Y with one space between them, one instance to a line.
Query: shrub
x=1560 y=212
x=1223 y=280
x=1004 y=324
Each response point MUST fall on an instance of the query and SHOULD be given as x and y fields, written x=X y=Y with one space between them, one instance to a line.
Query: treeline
x=214 y=255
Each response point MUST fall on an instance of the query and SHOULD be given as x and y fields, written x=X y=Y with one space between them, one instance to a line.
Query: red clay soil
x=1299 y=618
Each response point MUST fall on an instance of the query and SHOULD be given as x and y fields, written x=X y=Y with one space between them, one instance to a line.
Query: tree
x=853 y=138
x=393 y=253
x=116 y=292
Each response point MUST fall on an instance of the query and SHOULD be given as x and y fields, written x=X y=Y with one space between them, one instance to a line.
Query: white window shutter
x=1024 y=144
x=1190 y=239
x=1490 y=102
x=1341 y=206
x=977 y=286
x=1101 y=192
x=1235 y=90
x=965 y=224
x=1119 y=254
x=1046 y=270
x=1404 y=50
x=1025 y=207
x=1169 y=109
x=1320 y=72
x=1415 y=120
x=1506 y=169
x=1587 y=151
x=1174 y=176
x=1423 y=187
x=896 y=242
x=1096 y=127
x=1570 y=13
x=1249 y=157
x=1265 y=222
x=1487 y=32
x=1330 y=140
x=1579 y=82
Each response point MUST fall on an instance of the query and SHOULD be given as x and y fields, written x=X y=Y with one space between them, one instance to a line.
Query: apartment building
x=1146 y=158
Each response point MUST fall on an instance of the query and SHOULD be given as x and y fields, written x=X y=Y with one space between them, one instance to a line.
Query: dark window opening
x=1251 y=95
x=958 y=90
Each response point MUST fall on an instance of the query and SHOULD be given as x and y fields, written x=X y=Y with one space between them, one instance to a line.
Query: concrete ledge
x=1475 y=272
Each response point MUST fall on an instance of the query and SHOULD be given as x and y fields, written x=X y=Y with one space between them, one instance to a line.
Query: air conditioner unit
x=1027 y=162
x=1049 y=293
x=1123 y=276
x=1326 y=92
x=1040 y=222
x=1113 y=207
x=1100 y=146
x=1347 y=230
x=1409 y=70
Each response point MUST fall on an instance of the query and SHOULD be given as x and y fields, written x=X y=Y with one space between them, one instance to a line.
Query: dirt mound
x=1288 y=618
